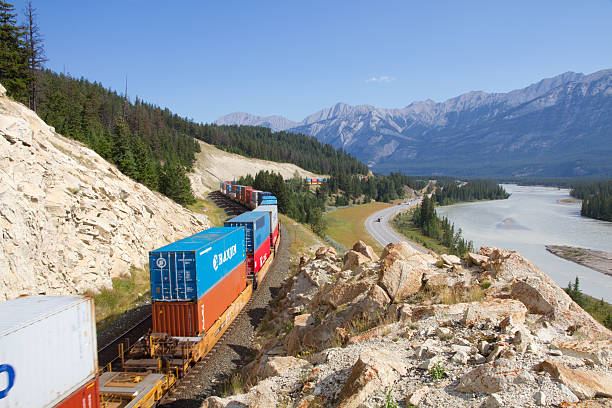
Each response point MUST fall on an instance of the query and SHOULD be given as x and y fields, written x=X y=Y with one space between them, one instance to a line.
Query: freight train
x=199 y=285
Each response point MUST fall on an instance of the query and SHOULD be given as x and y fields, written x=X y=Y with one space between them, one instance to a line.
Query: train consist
x=199 y=285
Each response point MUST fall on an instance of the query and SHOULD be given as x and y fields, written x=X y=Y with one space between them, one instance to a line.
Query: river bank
x=597 y=260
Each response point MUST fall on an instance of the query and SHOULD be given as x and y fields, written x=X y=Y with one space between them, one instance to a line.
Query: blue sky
x=204 y=59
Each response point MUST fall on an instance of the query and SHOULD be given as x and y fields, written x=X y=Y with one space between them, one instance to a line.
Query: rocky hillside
x=69 y=220
x=557 y=127
x=418 y=330
x=214 y=165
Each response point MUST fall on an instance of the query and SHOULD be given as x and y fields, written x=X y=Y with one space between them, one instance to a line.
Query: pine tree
x=35 y=53
x=14 y=74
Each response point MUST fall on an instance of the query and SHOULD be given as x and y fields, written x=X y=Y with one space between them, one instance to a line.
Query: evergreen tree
x=35 y=53
x=14 y=75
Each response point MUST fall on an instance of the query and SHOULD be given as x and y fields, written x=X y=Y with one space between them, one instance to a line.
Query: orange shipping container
x=88 y=396
x=190 y=319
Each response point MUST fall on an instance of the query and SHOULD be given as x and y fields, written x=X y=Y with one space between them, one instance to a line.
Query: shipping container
x=275 y=235
x=88 y=396
x=257 y=226
x=272 y=210
x=185 y=270
x=271 y=200
x=190 y=319
x=255 y=261
x=47 y=349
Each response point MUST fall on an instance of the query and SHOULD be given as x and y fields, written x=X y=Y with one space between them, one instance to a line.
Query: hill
x=70 y=221
x=557 y=127
x=213 y=165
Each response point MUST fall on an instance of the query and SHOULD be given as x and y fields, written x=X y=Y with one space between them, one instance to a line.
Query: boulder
x=366 y=250
x=263 y=395
x=374 y=370
x=2 y=90
x=415 y=398
x=598 y=351
x=283 y=366
x=375 y=301
x=400 y=279
x=489 y=378
x=476 y=259
x=401 y=250
x=494 y=311
x=450 y=259
x=344 y=292
x=584 y=384
x=353 y=259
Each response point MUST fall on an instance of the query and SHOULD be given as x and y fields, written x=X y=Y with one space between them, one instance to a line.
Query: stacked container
x=272 y=210
x=48 y=354
x=269 y=200
x=194 y=280
x=257 y=232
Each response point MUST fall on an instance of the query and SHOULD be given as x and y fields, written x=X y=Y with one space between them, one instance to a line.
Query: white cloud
x=383 y=78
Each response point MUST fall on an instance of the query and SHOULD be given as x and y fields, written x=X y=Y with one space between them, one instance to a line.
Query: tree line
x=147 y=143
x=295 y=199
x=449 y=192
x=599 y=309
x=386 y=188
x=441 y=229
x=262 y=143
x=596 y=199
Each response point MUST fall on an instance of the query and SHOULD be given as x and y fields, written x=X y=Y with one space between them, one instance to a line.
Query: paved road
x=382 y=232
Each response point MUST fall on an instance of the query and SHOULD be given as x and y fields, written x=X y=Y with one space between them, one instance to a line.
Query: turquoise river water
x=529 y=220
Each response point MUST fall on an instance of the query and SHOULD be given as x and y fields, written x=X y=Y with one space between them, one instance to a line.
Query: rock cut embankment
x=69 y=220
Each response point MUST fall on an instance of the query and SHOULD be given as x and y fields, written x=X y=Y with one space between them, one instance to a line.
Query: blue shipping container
x=269 y=200
x=257 y=226
x=186 y=269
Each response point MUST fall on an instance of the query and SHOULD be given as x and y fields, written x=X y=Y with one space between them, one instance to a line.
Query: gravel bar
x=236 y=345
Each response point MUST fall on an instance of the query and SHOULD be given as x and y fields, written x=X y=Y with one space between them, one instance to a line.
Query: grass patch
x=127 y=294
x=346 y=225
x=402 y=223
x=215 y=214
x=300 y=236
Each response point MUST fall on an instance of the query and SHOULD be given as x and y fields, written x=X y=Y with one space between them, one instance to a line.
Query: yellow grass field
x=346 y=225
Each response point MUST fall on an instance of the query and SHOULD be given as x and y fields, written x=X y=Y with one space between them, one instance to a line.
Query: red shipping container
x=88 y=396
x=190 y=319
x=275 y=235
x=254 y=263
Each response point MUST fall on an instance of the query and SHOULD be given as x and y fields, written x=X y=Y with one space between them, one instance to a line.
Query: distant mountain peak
x=542 y=129
x=274 y=122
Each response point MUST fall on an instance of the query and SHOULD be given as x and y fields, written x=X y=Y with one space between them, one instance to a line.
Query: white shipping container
x=47 y=349
x=273 y=211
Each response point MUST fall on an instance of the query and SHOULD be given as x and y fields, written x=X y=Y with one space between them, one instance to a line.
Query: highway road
x=382 y=232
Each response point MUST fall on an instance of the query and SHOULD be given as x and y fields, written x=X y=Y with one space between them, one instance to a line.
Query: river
x=531 y=219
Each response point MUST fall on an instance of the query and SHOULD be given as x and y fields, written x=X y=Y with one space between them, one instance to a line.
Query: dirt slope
x=214 y=165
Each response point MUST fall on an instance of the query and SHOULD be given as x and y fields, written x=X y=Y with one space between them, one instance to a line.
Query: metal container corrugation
x=257 y=226
x=189 y=319
x=47 y=349
x=88 y=396
x=255 y=261
x=272 y=210
x=185 y=270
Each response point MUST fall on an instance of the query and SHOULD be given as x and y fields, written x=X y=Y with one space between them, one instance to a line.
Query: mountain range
x=557 y=127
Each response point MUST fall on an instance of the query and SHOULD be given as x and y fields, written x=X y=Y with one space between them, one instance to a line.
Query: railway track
x=197 y=383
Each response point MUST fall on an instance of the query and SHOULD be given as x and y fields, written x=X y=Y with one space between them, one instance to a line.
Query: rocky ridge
x=69 y=220
x=556 y=127
x=422 y=330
